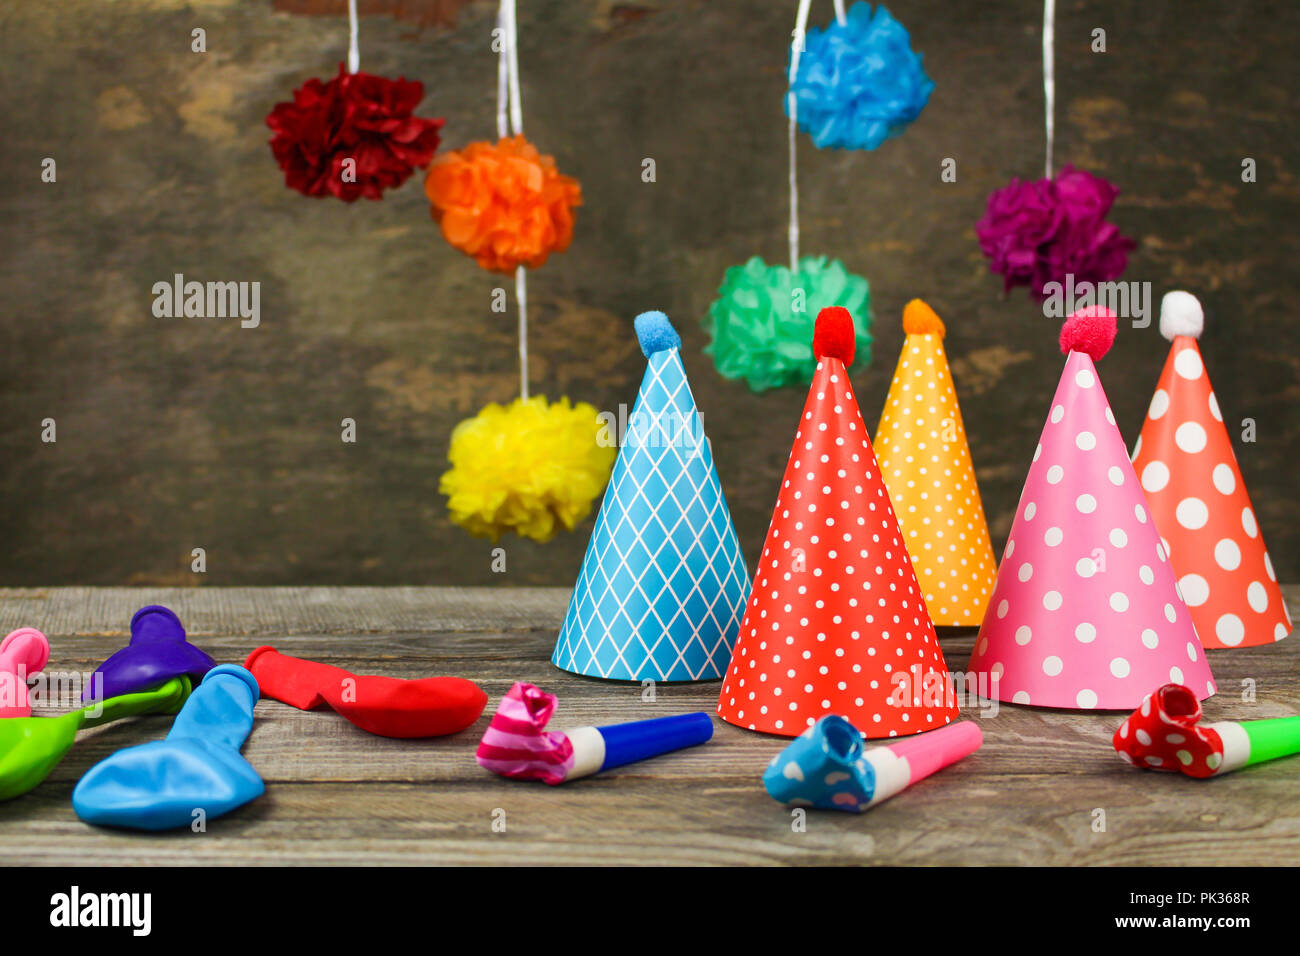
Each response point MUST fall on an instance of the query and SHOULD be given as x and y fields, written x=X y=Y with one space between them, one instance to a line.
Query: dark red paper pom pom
x=354 y=135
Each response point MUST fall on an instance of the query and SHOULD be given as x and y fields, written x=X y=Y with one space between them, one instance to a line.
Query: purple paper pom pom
x=1040 y=232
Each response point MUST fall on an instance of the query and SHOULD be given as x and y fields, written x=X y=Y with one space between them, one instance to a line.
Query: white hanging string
x=796 y=49
x=354 y=50
x=839 y=12
x=503 y=77
x=516 y=102
x=1049 y=76
x=510 y=103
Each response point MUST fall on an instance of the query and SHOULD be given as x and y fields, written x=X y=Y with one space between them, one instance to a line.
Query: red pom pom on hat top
x=1090 y=330
x=833 y=335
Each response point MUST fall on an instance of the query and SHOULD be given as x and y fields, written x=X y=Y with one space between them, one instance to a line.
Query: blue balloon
x=198 y=767
x=859 y=83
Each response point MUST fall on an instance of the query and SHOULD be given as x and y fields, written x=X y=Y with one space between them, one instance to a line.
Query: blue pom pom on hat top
x=860 y=82
x=656 y=333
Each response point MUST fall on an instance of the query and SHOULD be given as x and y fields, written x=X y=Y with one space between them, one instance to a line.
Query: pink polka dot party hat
x=836 y=623
x=1085 y=611
x=1187 y=467
x=923 y=454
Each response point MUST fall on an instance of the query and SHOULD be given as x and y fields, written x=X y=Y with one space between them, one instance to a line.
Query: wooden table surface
x=336 y=795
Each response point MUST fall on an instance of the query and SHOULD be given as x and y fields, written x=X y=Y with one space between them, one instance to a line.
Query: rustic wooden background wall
x=182 y=433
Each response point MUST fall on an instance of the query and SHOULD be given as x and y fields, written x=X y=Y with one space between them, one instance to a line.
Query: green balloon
x=31 y=747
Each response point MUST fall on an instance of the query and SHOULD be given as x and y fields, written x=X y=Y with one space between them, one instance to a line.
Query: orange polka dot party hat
x=1187 y=467
x=926 y=463
x=836 y=623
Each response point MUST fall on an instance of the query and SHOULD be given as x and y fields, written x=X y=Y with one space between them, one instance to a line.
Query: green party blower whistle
x=1164 y=733
x=31 y=747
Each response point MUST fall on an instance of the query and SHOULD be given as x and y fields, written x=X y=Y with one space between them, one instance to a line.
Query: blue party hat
x=663 y=584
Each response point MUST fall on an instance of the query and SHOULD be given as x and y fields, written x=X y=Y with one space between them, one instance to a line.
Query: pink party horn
x=23 y=653
x=1165 y=733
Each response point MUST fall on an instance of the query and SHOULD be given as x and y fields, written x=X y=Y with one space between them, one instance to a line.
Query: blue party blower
x=827 y=766
x=643 y=739
x=517 y=744
x=198 y=767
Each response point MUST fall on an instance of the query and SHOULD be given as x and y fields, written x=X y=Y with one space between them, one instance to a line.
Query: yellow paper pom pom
x=529 y=467
x=920 y=319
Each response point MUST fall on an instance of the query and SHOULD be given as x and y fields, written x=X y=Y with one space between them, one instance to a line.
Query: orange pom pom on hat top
x=926 y=463
x=505 y=204
x=1185 y=461
x=920 y=319
x=836 y=623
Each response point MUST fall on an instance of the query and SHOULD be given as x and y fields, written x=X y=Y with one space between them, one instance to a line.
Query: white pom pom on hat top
x=1181 y=314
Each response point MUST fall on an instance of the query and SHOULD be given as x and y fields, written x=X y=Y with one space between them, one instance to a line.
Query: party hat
x=663 y=583
x=1199 y=500
x=926 y=464
x=1085 y=612
x=836 y=623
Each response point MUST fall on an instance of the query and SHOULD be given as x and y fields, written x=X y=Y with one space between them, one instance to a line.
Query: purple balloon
x=158 y=651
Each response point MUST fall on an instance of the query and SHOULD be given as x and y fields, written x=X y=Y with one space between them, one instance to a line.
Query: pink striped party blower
x=518 y=745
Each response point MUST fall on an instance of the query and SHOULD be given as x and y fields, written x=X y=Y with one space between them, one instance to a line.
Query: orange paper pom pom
x=504 y=204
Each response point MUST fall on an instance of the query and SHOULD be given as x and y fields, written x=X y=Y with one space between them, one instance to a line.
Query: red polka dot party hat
x=836 y=623
x=1085 y=612
x=924 y=457
x=1189 y=472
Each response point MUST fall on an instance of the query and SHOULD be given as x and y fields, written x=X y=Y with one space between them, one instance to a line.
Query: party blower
x=1165 y=733
x=23 y=653
x=828 y=768
x=198 y=767
x=517 y=745
x=386 y=706
x=30 y=747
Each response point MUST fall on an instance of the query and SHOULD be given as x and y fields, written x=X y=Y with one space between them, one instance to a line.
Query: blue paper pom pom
x=655 y=333
x=859 y=83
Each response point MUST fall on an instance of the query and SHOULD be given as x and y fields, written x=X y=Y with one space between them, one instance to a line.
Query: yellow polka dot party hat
x=926 y=463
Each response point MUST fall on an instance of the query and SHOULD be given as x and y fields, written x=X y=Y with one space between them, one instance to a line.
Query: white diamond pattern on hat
x=663 y=583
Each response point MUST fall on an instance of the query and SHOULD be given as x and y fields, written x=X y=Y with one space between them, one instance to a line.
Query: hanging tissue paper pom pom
x=758 y=335
x=1090 y=330
x=1040 y=232
x=504 y=204
x=529 y=467
x=352 y=136
x=858 y=83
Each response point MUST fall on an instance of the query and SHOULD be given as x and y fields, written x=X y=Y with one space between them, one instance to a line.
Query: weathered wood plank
x=338 y=795
x=286 y=610
x=1035 y=819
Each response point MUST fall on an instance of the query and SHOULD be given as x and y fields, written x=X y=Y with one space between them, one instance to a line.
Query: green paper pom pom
x=756 y=333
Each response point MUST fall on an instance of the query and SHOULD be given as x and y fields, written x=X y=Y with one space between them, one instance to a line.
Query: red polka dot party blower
x=1085 y=612
x=1198 y=498
x=835 y=623
x=1165 y=733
